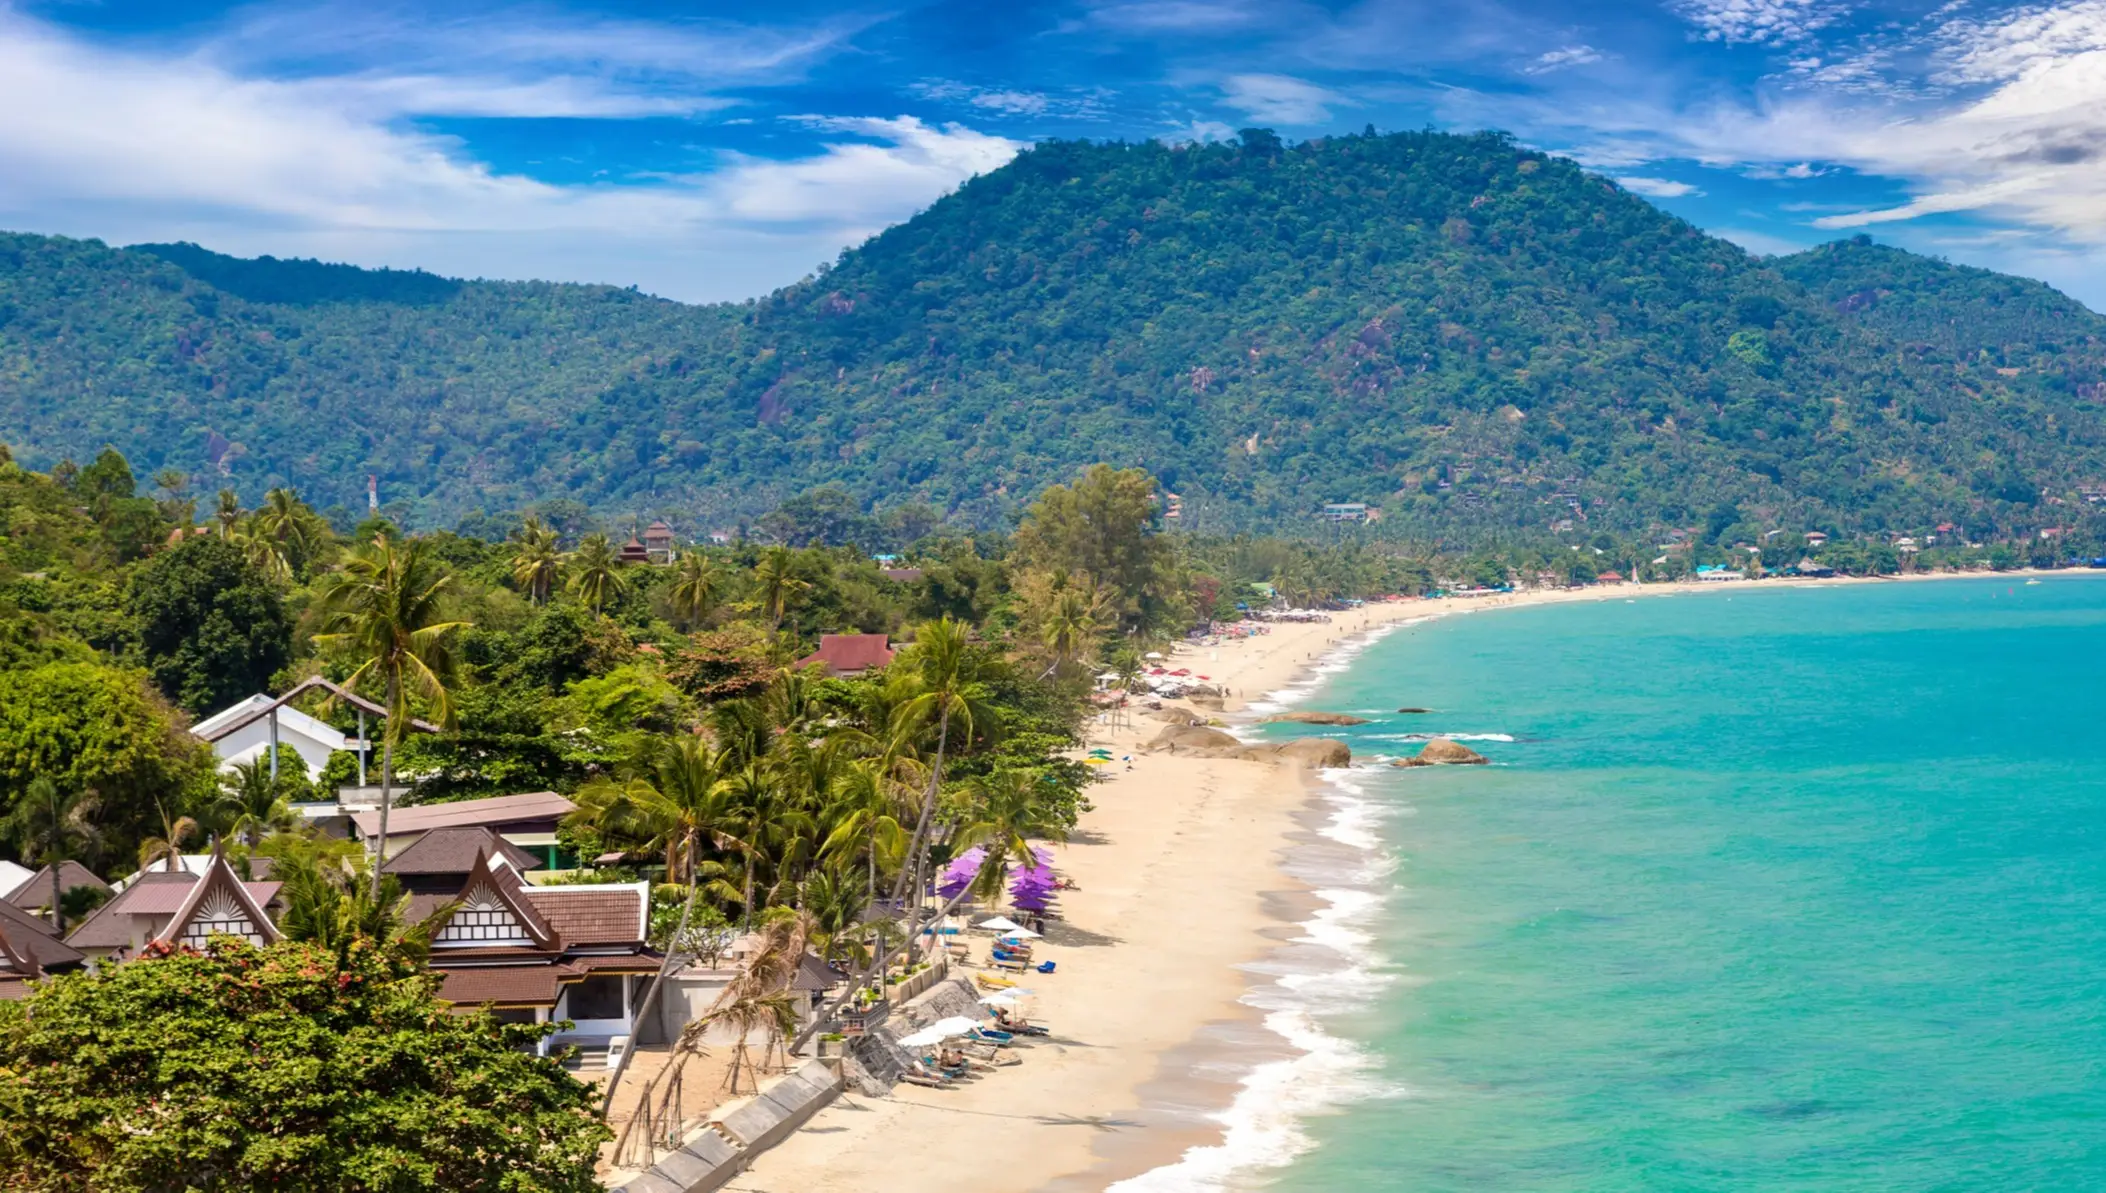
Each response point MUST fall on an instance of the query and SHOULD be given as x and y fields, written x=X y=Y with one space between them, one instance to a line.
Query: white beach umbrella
x=956 y=1025
x=1021 y=934
x=1000 y=924
x=1000 y=1000
x=926 y=1037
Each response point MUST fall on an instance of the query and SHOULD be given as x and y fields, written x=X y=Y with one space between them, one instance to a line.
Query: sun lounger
x=913 y=1078
x=988 y=983
x=992 y=1034
x=1013 y=966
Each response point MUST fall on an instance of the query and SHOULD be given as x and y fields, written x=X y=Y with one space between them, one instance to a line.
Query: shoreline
x=1156 y=1032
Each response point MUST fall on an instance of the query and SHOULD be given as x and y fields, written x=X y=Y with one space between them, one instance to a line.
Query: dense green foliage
x=211 y=627
x=292 y=1067
x=1475 y=338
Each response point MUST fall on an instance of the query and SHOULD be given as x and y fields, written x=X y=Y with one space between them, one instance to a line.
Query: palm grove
x=661 y=698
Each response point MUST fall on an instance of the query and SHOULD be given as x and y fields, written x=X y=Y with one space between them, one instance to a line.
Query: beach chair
x=1014 y=966
x=991 y=1055
x=931 y=1064
x=1043 y=967
x=992 y=1035
x=926 y=1080
x=988 y=983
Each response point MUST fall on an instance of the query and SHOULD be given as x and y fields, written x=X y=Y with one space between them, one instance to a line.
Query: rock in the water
x=1414 y=710
x=1317 y=718
x=1186 y=738
x=1443 y=752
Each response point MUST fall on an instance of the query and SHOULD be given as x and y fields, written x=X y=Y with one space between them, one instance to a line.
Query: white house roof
x=12 y=877
x=290 y=720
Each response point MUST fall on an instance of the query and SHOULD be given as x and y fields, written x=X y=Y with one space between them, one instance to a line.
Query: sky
x=715 y=152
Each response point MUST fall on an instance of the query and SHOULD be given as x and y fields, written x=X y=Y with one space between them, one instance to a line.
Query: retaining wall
x=721 y=1150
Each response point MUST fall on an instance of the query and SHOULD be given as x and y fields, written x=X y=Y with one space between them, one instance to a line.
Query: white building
x=243 y=732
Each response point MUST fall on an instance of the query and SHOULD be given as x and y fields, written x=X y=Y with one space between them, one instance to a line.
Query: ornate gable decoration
x=219 y=905
x=492 y=914
x=16 y=962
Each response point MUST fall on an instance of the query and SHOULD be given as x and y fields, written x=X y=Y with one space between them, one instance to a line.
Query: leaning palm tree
x=696 y=586
x=596 y=571
x=52 y=829
x=777 y=584
x=385 y=611
x=537 y=565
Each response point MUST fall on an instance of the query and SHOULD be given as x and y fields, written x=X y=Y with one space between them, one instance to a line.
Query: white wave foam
x=1262 y=1127
x=1431 y=736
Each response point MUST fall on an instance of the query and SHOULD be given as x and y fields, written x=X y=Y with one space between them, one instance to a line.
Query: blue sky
x=715 y=152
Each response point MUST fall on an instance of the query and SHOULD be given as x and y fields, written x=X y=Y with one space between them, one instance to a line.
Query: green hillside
x=1471 y=336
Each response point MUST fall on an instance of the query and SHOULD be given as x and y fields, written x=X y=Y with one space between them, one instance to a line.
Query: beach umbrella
x=1153 y=654
x=1096 y=762
x=1022 y=934
x=925 y=1038
x=999 y=924
x=956 y=1025
x=1000 y=1000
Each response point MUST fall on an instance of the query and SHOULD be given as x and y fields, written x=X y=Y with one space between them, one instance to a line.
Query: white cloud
x=1658 y=188
x=129 y=146
x=1757 y=20
x=1199 y=132
x=1180 y=16
x=1560 y=59
x=1278 y=99
x=1760 y=243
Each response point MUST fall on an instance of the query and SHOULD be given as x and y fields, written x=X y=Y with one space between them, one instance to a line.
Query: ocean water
x=1785 y=889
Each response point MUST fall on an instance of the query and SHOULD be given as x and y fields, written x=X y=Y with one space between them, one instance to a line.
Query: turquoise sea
x=1781 y=889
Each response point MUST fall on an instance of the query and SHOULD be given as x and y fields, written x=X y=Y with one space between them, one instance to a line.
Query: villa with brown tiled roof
x=440 y=860
x=178 y=907
x=539 y=953
x=29 y=949
x=528 y=821
x=35 y=894
x=849 y=654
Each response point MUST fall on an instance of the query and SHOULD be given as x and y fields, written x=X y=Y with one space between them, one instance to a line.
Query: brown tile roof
x=494 y=812
x=14 y=917
x=454 y=850
x=590 y=917
x=506 y=985
x=37 y=891
x=579 y=968
x=111 y=925
x=20 y=942
x=849 y=654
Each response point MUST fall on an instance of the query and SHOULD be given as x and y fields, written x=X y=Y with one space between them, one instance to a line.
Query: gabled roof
x=454 y=851
x=249 y=710
x=495 y=914
x=110 y=926
x=12 y=876
x=290 y=720
x=29 y=936
x=219 y=904
x=615 y=913
x=497 y=810
x=850 y=654
x=36 y=892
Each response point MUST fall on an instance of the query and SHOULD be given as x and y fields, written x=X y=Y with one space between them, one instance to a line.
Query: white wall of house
x=314 y=740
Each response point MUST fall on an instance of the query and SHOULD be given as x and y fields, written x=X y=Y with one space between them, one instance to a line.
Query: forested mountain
x=1473 y=337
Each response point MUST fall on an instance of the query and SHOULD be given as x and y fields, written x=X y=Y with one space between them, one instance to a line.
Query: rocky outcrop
x=1178 y=716
x=1316 y=718
x=1201 y=742
x=1443 y=752
x=1189 y=739
x=1315 y=752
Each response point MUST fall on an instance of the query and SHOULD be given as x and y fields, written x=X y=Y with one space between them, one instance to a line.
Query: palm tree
x=284 y=534
x=251 y=803
x=696 y=583
x=1072 y=625
x=537 y=565
x=1009 y=811
x=328 y=906
x=596 y=571
x=776 y=583
x=168 y=847
x=384 y=610
x=52 y=828
x=228 y=513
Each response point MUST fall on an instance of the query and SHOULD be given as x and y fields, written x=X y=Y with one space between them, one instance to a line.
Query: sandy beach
x=1179 y=865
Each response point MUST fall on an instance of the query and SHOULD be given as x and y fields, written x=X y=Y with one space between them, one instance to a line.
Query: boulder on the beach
x=1443 y=752
x=1178 y=716
x=1317 y=718
x=1191 y=738
x=1415 y=710
x=1202 y=701
x=1316 y=752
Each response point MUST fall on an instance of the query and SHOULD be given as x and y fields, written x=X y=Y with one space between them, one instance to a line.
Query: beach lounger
x=927 y=1082
x=993 y=1055
x=993 y=1035
x=931 y=1065
x=1015 y=966
x=988 y=983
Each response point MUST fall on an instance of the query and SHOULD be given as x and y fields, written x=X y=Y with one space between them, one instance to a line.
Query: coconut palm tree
x=251 y=803
x=51 y=828
x=385 y=611
x=1009 y=810
x=776 y=583
x=1072 y=623
x=284 y=534
x=227 y=513
x=327 y=905
x=696 y=587
x=596 y=571
x=537 y=566
x=167 y=848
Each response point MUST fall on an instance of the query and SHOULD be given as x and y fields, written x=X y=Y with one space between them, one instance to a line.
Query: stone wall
x=721 y=1150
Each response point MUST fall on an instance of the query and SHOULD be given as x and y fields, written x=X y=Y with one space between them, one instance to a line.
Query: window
x=596 y=998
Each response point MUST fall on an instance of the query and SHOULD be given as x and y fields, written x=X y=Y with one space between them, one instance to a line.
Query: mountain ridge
x=1476 y=338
